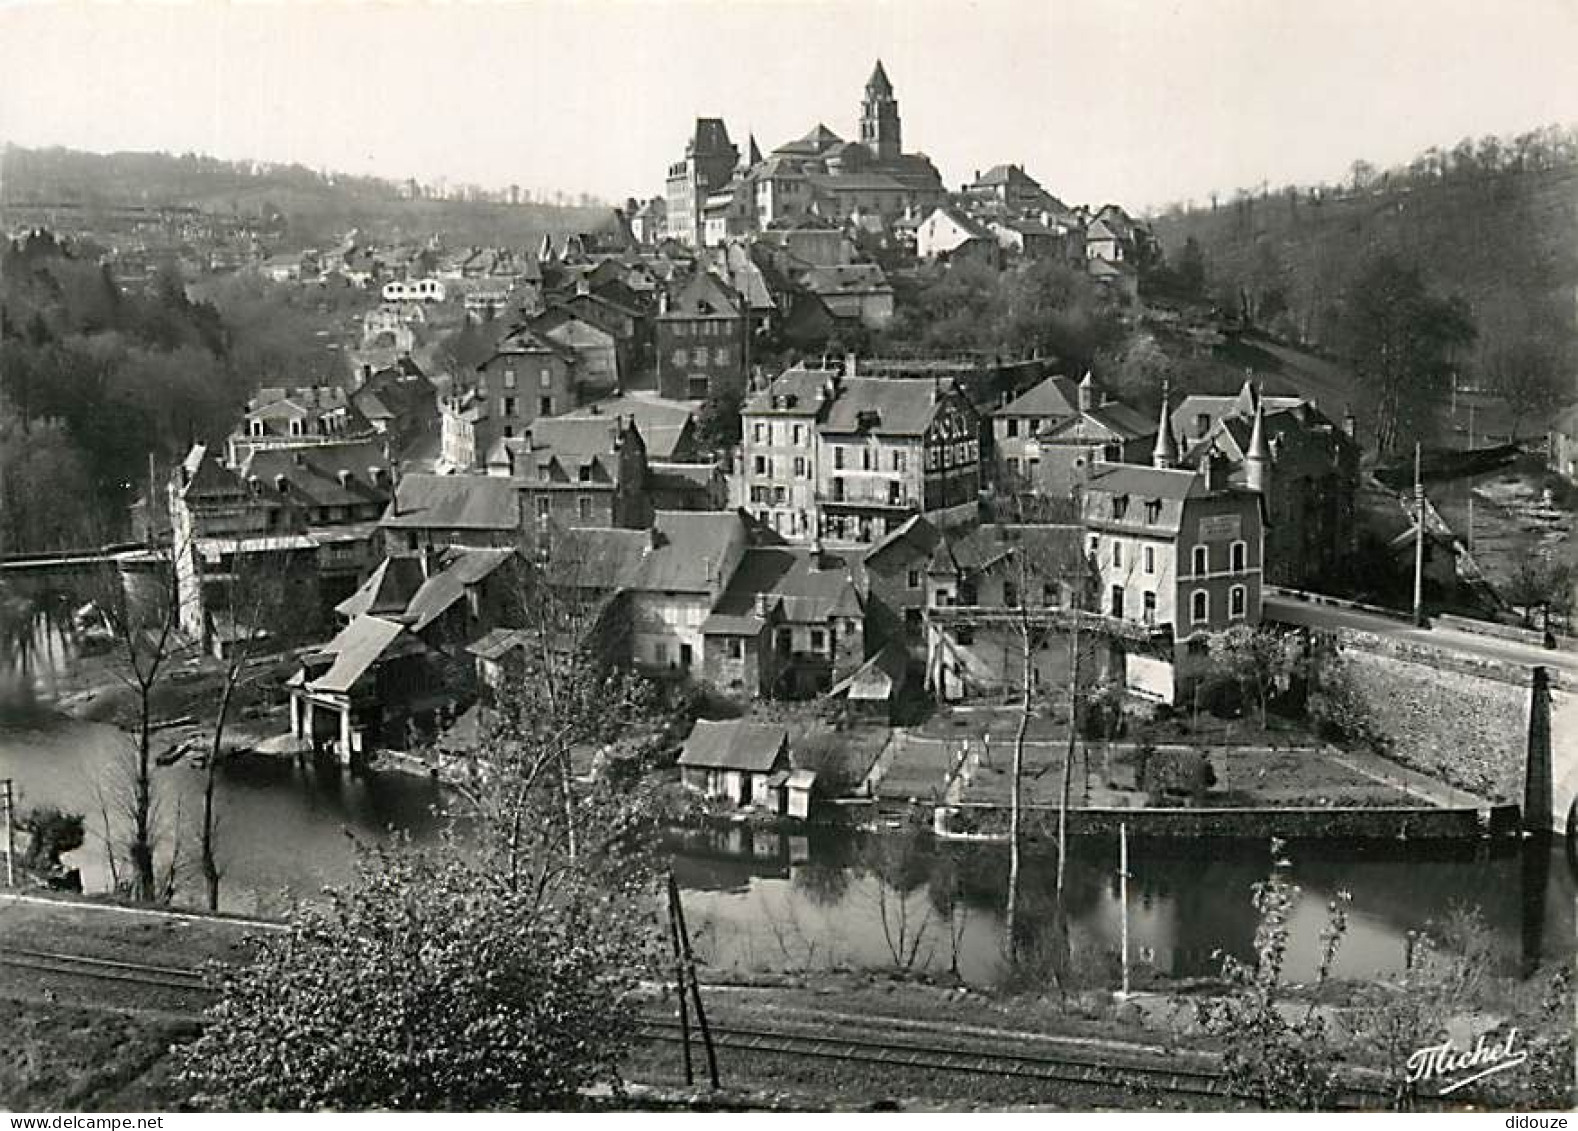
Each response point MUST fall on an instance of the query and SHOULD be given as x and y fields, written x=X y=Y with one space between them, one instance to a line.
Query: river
x=763 y=900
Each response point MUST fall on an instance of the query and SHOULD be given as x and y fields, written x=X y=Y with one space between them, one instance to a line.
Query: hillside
x=69 y=188
x=1505 y=239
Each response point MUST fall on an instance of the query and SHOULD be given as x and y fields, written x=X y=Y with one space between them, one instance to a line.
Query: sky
x=1144 y=102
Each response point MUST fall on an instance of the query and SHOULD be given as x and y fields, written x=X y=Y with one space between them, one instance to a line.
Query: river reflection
x=832 y=897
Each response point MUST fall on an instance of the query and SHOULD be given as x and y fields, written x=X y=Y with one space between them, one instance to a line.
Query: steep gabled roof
x=913 y=540
x=387 y=590
x=702 y=294
x=440 y=591
x=1057 y=396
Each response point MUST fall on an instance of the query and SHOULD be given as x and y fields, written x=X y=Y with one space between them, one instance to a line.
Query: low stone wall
x=1491 y=628
x=1389 y=823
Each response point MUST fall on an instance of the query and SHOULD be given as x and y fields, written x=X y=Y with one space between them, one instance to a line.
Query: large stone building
x=1179 y=552
x=828 y=454
x=710 y=160
x=713 y=197
x=702 y=345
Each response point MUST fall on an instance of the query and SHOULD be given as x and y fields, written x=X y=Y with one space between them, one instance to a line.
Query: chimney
x=849 y=364
x=1087 y=392
x=1349 y=424
x=662 y=302
x=1214 y=468
x=762 y=606
x=655 y=538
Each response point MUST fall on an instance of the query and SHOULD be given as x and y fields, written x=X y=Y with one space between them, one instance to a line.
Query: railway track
x=1099 y=1072
x=87 y=966
x=929 y=1049
x=1090 y=1072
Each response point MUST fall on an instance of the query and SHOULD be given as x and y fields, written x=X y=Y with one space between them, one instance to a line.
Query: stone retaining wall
x=1459 y=719
x=1389 y=823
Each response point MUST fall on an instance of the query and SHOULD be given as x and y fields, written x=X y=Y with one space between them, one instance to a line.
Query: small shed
x=874 y=688
x=734 y=761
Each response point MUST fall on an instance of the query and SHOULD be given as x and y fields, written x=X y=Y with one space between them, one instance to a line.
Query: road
x=1562 y=664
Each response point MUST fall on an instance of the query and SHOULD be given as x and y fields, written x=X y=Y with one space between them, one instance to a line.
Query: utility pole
x=1419 y=541
x=1123 y=901
x=1471 y=485
x=9 y=798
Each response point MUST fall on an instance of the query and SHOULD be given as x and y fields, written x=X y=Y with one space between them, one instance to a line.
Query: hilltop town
x=893 y=504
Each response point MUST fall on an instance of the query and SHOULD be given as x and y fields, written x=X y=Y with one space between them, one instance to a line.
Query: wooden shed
x=735 y=760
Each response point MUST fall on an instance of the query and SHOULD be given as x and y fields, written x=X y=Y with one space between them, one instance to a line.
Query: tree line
x=96 y=380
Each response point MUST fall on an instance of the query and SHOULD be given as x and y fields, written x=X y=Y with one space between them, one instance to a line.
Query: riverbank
x=73 y=1047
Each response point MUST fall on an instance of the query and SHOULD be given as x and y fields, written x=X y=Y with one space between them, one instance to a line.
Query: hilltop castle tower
x=879 y=117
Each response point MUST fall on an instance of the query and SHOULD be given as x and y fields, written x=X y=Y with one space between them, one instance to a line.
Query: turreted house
x=1305 y=465
x=1179 y=552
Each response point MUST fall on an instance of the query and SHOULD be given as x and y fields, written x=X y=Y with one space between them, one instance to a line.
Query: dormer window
x=586 y=473
x=1153 y=511
x=1120 y=506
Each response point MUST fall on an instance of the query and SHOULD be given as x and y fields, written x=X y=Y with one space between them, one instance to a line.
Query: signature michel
x=1446 y=1063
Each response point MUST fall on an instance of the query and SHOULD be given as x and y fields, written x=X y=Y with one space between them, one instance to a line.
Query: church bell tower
x=879 y=117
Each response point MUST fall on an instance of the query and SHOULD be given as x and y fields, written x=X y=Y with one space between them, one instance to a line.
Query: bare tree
x=141 y=610
x=253 y=617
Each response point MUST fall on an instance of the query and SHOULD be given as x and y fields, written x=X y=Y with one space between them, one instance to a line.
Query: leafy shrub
x=1221 y=695
x=1187 y=772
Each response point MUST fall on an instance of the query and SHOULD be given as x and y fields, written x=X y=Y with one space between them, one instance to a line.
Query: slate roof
x=356 y=649
x=703 y=294
x=1240 y=404
x=1054 y=397
x=440 y=591
x=803 y=593
x=798 y=382
x=1170 y=487
x=453 y=502
x=387 y=590
x=913 y=540
x=665 y=425
x=981 y=547
x=689 y=551
x=532 y=339
x=734 y=744
x=313 y=472
x=499 y=642
x=1111 y=421
x=860 y=278
x=903 y=406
